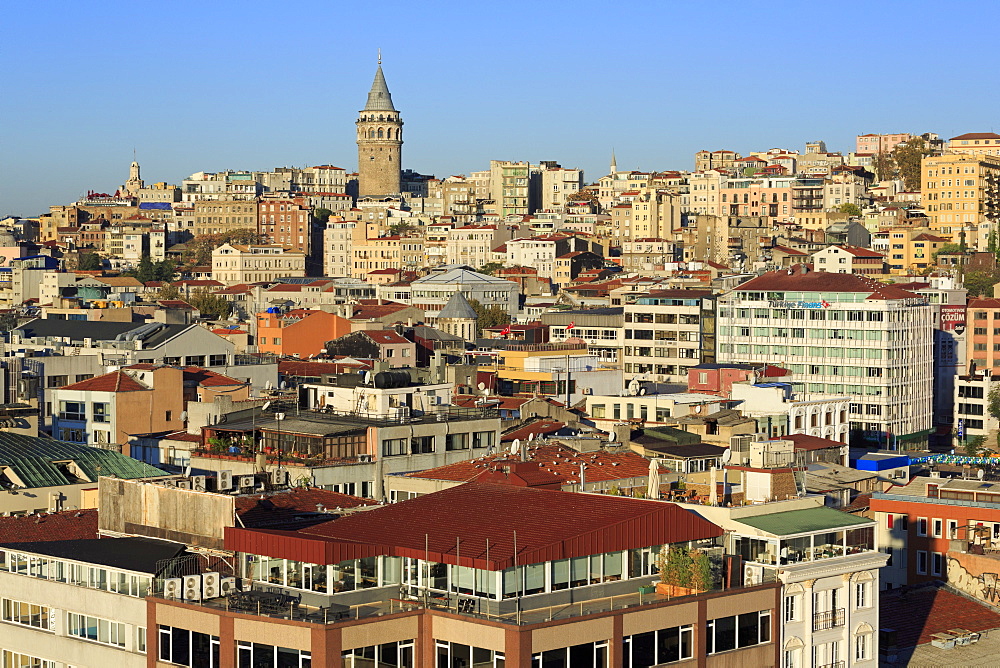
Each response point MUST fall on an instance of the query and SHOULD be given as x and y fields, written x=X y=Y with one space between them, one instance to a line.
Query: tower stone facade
x=380 y=143
x=134 y=183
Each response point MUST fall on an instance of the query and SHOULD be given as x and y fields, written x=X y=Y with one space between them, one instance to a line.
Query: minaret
x=380 y=142
x=614 y=163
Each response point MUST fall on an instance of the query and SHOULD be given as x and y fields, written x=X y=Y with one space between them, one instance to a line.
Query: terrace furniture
x=943 y=640
x=962 y=636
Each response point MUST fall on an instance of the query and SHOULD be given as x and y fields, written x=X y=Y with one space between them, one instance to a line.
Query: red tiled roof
x=555 y=458
x=789 y=251
x=282 y=507
x=929 y=237
x=860 y=252
x=977 y=135
x=66 y=525
x=806 y=442
x=116 y=381
x=207 y=378
x=549 y=525
x=917 y=614
x=385 y=336
x=227 y=332
x=984 y=302
x=796 y=280
x=537 y=428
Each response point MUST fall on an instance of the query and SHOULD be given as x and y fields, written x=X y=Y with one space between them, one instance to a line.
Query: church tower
x=134 y=183
x=380 y=142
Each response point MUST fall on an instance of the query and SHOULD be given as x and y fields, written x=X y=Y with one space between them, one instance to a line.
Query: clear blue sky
x=254 y=85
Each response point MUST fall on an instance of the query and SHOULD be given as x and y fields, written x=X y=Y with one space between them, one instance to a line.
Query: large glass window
x=587 y=655
x=256 y=655
x=387 y=655
x=73 y=410
x=96 y=629
x=28 y=614
x=456 y=655
x=16 y=660
x=188 y=648
x=728 y=633
x=657 y=647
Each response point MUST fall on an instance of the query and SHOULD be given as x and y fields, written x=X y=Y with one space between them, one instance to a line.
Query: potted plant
x=684 y=572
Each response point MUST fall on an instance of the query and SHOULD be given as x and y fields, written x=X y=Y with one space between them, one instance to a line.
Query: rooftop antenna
x=380 y=55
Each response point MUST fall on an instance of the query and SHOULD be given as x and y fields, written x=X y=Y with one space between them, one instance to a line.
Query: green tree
x=199 y=250
x=675 y=567
x=993 y=407
x=490 y=268
x=322 y=215
x=980 y=283
x=884 y=166
x=209 y=304
x=849 y=209
x=169 y=292
x=89 y=262
x=947 y=248
x=147 y=270
x=907 y=157
x=974 y=445
x=492 y=316
x=402 y=227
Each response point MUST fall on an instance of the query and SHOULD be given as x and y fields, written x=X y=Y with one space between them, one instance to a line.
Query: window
x=938 y=526
x=727 y=633
x=73 y=410
x=456 y=441
x=658 y=647
x=188 y=648
x=937 y=563
x=862 y=594
x=96 y=629
x=217 y=360
x=863 y=647
x=256 y=655
x=394 y=446
x=101 y=412
x=456 y=654
x=922 y=526
x=15 y=660
x=483 y=439
x=921 y=562
x=792 y=608
x=28 y=614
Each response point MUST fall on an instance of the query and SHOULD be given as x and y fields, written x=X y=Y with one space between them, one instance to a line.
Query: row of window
x=94 y=577
x=82 y=626
x=425 y=444
x=599 y=411
x=828 y=600
x=801 y=351
x=802 y=333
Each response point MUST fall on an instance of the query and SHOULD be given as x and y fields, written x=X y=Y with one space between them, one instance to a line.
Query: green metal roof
x=807 y=520
x=31 y=459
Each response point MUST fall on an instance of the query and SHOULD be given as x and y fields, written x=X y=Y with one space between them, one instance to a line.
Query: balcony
x=835 y=664
x=831 y=619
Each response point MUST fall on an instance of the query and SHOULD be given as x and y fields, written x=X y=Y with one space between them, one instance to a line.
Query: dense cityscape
x=737 y=412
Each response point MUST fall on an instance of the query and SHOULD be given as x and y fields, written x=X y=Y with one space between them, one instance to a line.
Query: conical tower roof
x=379 y=98
x=458 y=307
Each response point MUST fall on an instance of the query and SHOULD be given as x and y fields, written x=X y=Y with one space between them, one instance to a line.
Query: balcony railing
x=835 y=664
x=828 y=620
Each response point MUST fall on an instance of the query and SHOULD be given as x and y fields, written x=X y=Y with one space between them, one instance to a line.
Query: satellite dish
x=981 y=474
x=515 y=446
x=267 y=404
x=633 y=387
x=482 y=386
x=612 y=437
x=487 y=391
x=727 y=456
x=267 y=385
x=184 y=416
x=368 y=377
x=283 y=385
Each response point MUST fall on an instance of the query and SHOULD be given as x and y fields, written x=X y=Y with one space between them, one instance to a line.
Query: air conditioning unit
x=279 y=477
x=172 y=588
x=225 y=480
x=752 y=575
x=247 y=481
x=192 y=588
x=183 y=484
x=227 y=586
x=198 y=483
x=210 y=587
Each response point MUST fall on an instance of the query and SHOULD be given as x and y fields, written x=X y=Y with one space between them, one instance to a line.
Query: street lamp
x=278 y=417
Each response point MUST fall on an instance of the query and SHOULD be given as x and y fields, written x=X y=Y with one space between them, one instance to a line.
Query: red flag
x=506 y=331
x=570 y=326
x=825 y=303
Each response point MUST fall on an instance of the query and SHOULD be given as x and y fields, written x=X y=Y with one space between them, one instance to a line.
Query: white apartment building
x=337 y=238
x=828 y=565
x=667 y=331
x=841 y=335
x=779 y=412
x=473 y=244
x=558 y=183
x=232 y=264
x=971 y=397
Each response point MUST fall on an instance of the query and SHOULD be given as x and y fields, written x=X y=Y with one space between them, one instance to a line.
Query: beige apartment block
x=224 y=215
x=961 y=194
x=232 y=264
x=975 y=143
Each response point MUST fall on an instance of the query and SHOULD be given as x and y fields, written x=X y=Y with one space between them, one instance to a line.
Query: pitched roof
x=806 y=442
x=458 y=307
x=116 y=381
x=805 y=520
x=860 y=252
x=385 y=336
x=549 y=525
x=65 y=525
x=555 y=458
x=379 y=98
x=286 y=507
x=977 y=135
x=120 y=281
x=799 y=279
x=207 y=378
x=31 y=459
